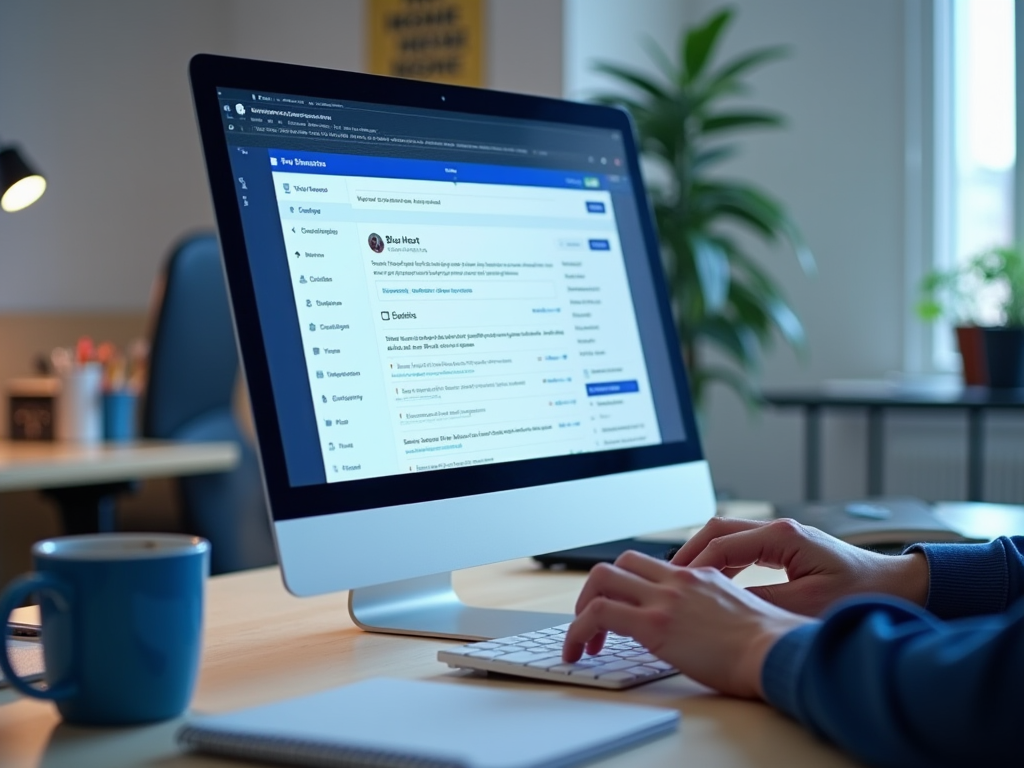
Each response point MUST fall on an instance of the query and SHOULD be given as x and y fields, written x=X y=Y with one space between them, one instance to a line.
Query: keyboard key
x=524 y=657
x=618 y=664
x=546 y=663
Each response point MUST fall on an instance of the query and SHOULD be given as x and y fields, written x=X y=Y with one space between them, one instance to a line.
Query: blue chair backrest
x=193 y=372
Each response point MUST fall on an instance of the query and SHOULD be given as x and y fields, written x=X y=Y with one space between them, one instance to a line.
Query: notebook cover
x=388 y=722
x=909 y=520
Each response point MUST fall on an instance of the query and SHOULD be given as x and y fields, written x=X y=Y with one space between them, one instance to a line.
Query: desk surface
x=34 y=465
x=263 y=645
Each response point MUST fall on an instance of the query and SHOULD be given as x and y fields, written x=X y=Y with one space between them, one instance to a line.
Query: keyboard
x=622 y=663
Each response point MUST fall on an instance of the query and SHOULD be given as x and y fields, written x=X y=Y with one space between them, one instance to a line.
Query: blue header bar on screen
x=291 y=161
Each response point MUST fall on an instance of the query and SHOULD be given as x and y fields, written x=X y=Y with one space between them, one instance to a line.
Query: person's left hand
x=696 y=619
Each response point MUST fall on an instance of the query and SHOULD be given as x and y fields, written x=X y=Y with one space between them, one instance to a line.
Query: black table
x=814 y=400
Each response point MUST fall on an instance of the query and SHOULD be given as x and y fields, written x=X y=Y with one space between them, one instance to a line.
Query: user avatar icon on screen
x=376 y=243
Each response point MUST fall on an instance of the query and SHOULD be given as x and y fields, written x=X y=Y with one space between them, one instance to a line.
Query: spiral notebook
x=388 y=723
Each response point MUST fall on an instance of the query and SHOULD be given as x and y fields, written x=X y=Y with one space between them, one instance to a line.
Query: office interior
x=97 y=94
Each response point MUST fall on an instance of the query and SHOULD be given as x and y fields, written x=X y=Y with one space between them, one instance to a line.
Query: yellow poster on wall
x=438 y=40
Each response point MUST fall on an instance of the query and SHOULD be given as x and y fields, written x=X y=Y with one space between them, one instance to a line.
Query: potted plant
x=950 y=293
x=722 y=297
x=997 y=273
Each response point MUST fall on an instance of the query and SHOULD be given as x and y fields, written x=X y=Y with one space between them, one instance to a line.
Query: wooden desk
x=263 y=645
x=84 y=478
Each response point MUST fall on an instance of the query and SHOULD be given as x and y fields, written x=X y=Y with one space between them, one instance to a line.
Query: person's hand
x=821 y=569
x=695 y=619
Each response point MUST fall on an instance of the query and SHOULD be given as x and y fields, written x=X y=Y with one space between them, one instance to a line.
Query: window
x=975 y=118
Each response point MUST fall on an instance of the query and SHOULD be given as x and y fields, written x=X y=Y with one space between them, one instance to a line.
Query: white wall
x=97 y=94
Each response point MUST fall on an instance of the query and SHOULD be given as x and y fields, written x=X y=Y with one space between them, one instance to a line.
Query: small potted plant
x=992 y=349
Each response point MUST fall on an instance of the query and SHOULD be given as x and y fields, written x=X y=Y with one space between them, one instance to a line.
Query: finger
x=601 y=616
x=646 y=567
x=770 y=545
x=613 y=582
x=596 y=643
x=713 y=529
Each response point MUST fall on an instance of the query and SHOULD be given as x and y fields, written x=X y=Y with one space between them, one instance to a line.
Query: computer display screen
x=441 y=291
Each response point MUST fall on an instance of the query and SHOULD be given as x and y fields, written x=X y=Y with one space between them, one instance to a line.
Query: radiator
x=926 y=456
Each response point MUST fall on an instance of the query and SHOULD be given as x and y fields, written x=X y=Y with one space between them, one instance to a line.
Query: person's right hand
x=821 y=569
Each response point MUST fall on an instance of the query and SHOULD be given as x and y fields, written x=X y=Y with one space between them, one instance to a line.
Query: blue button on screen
x=600 y=245
x=594 y=206
x=612 y=388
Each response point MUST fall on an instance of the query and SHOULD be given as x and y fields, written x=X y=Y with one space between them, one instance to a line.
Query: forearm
x=895 y=686
x=973 y=579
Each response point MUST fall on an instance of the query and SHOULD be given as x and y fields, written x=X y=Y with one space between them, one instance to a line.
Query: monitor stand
x=428 y=606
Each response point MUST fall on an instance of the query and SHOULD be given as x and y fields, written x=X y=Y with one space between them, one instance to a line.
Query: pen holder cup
x=119 y=416
x=80 y=406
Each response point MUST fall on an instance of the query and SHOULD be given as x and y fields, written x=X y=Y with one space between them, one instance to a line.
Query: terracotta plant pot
x=971 y=342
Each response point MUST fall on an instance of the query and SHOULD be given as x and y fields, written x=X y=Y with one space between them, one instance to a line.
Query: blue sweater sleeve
x=895 y=686
x=974 y=579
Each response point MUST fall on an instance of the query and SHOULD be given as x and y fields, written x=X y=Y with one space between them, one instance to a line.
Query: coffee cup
x=121 y=624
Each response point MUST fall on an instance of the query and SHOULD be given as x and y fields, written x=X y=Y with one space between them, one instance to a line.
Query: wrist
x=761 y=644
x=910 y=578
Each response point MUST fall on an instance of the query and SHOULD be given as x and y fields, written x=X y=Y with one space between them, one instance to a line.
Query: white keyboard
x=622 y=662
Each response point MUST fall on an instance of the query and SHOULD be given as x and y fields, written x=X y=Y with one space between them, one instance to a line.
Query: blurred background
x=897 y=156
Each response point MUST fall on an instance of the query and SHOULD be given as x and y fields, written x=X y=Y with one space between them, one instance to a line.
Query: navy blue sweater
x=896 y=685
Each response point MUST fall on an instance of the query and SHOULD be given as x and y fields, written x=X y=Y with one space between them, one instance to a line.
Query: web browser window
x=441 y=290
x=459 y=314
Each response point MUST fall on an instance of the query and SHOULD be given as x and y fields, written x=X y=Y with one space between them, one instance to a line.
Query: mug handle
x=13 y=597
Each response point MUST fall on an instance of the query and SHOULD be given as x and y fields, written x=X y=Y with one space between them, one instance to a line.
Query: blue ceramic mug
x=122 y=621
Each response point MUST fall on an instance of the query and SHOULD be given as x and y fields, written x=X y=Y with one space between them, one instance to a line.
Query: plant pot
x=970 y=340
x=1004 y=357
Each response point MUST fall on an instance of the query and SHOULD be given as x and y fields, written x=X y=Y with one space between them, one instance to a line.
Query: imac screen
x=447 y=294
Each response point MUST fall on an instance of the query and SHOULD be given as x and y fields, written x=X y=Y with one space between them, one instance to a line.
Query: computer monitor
x=454 y=328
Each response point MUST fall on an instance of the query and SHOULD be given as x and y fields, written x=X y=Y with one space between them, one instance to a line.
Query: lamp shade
x=20 y=186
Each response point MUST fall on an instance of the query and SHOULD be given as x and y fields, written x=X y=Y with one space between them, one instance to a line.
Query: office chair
x=193 y=371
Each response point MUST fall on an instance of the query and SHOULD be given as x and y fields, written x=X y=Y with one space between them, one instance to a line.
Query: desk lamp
x=20 y=185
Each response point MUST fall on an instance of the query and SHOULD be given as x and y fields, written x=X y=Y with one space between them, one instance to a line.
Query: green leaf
x=737 y=341
x=661 y=59
x=699 y=43
x=711 y=156
x=787 y=323
x=634 y=78
x=741 y=120
x=929 y=310
x=712 y=270
x=750 y=60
